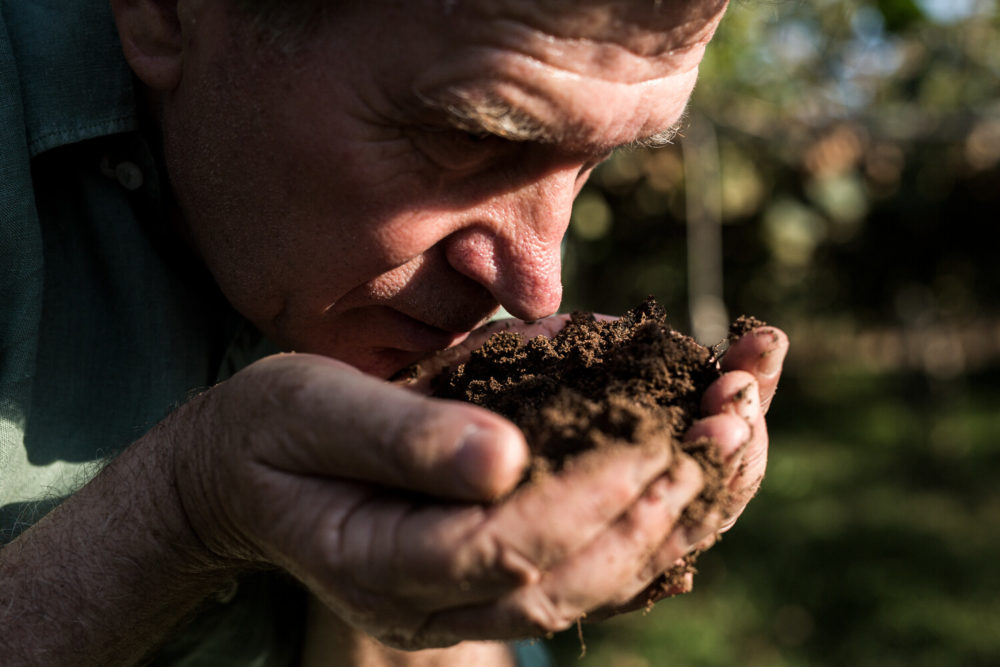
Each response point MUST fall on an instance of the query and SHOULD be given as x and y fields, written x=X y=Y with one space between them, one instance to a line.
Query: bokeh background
x=839 y=176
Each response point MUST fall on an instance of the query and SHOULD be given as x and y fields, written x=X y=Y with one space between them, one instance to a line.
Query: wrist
x=200 y=459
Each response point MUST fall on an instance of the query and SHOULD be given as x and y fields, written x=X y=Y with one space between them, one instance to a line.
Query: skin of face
x=378 y=191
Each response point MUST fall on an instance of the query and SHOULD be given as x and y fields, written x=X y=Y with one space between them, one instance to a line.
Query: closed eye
x=458 y=150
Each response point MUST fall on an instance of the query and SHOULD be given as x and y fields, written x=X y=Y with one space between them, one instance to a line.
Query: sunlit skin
x=352 y=200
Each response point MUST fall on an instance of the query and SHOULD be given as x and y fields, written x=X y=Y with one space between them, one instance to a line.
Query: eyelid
x=456 y=149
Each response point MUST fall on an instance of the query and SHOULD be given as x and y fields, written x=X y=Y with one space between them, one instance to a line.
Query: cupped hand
x=734 y=406
x=734 y=409
x=375 y=497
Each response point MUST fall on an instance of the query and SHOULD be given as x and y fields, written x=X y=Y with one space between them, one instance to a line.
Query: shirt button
x=129 y=175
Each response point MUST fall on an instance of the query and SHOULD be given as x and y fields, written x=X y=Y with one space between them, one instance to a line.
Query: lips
x=418 y=336
x=387 y=328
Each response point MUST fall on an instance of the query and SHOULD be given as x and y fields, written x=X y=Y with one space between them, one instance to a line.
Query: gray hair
x=284 y=23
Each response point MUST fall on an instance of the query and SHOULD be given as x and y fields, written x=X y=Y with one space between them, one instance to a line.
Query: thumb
x=335 y=421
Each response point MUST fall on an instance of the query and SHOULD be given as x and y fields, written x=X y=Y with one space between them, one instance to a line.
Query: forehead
x=597 y=74
x=655 y=28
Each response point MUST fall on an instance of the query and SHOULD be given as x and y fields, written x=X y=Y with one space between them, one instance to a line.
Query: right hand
x=371 y=494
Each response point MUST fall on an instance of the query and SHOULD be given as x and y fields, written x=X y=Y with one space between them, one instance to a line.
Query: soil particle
x=743 y=325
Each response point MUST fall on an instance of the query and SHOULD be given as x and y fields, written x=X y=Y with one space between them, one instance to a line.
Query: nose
x=513 y=245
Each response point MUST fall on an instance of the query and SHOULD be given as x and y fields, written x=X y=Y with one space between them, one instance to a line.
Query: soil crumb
x=632 y=381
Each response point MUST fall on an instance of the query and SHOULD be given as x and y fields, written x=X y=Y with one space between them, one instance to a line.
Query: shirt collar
x=75 y=83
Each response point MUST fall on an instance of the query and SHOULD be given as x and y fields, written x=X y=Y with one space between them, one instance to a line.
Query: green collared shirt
x=107 y=322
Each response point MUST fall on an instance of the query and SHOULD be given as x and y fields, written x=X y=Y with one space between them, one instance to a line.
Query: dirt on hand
x=628 y=382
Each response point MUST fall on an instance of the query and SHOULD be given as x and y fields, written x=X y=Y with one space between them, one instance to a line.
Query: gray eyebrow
x=659 y=139
x=499 y=118
x=491 y=116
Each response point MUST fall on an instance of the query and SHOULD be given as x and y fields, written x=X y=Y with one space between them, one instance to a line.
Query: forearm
x=103 y=577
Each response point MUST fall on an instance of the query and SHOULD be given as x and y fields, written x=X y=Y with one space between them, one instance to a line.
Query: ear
x=150 y=33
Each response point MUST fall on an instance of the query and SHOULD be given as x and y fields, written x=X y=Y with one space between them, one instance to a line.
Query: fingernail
x=485 y=468
x=472 y=460
x=772 y=358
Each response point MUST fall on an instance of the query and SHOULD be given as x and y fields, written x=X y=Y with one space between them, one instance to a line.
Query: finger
x=749 y=474
x=729 y=432
x=555 y=516
x=615 y=567
x=679 y=541
x=330 y=420
x=378 y=548
x=468 y=554
x=345 y=547
x=589 y=579
x=735 y=440
x=378 y=559
x=736 y=392
x=743 y=449
x=678 y=580
x=762 y=353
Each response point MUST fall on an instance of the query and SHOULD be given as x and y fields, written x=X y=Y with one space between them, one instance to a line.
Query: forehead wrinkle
x=508 y=78
x=597 y=57
x=650 y=29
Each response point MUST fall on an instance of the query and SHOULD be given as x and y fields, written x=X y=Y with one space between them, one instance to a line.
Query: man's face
x=376 y=193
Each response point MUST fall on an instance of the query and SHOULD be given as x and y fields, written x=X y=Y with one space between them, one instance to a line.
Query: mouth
x=381 y=341
x=419 y=336
x=386 y=328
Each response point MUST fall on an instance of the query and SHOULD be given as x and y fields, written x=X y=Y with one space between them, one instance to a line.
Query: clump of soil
x=596 y=384
x=632 y=381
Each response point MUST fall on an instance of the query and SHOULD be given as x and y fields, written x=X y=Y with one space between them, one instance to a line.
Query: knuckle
x=507 y=561
x=544 y=614
x=408 y=442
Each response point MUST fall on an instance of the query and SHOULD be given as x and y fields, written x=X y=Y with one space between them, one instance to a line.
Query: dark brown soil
x=628 y=382
x=632 y=381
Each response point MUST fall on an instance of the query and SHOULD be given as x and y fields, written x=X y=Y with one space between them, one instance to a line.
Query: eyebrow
x=501 y=119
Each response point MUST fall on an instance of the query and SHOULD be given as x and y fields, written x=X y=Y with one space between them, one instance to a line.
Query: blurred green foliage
x=858 y=148
x=859 y=145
